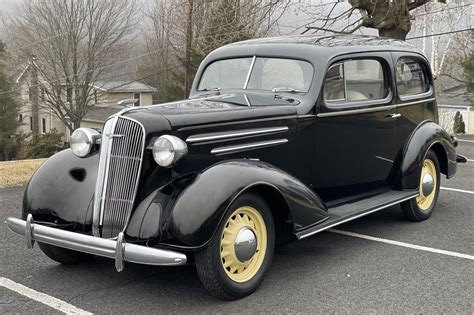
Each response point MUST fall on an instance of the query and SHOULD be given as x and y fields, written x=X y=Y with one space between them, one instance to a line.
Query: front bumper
x=115 y=249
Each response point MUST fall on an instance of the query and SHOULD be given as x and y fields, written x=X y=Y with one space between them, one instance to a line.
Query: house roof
x=123 y=86
x=100 y=114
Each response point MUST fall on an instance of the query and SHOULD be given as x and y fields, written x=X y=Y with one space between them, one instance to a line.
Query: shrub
x=459 y=126
x=45 y=145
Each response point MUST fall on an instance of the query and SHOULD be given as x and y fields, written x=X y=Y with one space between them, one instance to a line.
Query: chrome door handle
x=393 y=115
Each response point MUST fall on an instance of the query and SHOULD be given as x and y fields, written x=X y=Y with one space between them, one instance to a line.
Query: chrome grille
x=119 y=171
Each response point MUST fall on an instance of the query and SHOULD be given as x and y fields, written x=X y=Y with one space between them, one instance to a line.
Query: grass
x=16 y=173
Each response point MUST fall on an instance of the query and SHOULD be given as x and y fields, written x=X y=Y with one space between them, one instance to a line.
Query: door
x=356 y=128
x=416 y=101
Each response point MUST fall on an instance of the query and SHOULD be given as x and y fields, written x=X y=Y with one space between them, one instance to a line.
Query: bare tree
x=184 y=31
x=392 y=18
x=433 y=19
x=83 y=40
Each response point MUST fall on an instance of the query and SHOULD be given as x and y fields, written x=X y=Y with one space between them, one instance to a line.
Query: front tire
x=63 y=255
x=421 y=207
x=229 y=267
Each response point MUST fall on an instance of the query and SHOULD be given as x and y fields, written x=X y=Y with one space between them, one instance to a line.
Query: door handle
x=393 y=115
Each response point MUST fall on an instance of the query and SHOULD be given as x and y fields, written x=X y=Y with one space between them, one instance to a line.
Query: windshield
x=258 y=73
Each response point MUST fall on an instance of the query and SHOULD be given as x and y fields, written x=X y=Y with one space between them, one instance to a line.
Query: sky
x=6 y=5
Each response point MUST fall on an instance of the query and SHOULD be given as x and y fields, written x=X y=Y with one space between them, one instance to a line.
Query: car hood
x=211 y=110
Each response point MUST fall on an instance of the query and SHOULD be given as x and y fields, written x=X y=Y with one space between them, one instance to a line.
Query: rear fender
x=426 y=136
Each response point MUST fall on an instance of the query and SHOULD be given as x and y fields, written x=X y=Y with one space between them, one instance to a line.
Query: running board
x=350 y=211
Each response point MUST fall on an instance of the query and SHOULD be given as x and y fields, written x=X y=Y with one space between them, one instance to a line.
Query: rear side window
x=411 y=77
x=355 y=80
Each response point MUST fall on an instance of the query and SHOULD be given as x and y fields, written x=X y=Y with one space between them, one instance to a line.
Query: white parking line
x=458 y=190
x=41 y=297
x=461 y=140
x=402 y=244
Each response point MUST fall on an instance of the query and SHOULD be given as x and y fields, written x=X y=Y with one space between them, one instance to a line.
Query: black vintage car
x=281 y=138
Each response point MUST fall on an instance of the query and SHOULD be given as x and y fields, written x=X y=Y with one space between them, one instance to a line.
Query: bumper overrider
x=115 y=249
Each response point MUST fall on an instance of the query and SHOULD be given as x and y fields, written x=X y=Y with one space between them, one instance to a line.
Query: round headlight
x=167 y=150
x=83 y=140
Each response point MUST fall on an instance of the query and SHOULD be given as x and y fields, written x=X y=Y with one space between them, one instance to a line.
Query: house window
x=43 y=124
x=20 y=118
x=31 y=123
x=136 y=96
x=95 y=97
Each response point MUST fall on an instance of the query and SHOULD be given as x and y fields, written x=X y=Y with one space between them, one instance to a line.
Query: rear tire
x=421 y=207
x=220 y=271
x=63 y=255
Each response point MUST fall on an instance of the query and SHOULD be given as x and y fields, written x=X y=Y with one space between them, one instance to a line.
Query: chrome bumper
x=115 y=249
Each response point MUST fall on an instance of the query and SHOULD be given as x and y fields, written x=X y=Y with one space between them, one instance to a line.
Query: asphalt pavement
x=325 y=273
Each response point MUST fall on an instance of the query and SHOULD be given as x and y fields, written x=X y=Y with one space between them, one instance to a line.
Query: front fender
x=427 y=135
x=200 y=206
x=61 y=190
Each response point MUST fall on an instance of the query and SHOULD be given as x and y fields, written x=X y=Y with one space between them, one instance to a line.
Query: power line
x=120 y=62
x=439 y=34
x=32 y=44
x=442 y=10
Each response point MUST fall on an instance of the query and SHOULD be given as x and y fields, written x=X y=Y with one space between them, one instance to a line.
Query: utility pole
x=34 y=95
x=189 y=41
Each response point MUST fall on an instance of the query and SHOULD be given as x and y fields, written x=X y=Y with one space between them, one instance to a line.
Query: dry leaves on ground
x=16 y=173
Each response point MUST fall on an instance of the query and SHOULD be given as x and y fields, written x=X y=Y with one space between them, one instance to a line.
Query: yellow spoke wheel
x=428 y=172
x=248 y=220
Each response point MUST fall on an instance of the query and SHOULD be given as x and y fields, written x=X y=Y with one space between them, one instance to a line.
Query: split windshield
x=258 y=73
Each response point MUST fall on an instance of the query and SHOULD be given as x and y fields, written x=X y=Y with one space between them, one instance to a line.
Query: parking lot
x=385 y=264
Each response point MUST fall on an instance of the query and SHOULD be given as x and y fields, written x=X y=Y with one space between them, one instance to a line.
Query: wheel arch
x=198 y=209
x=279 y=208
x=442 y=156
x=427 y=135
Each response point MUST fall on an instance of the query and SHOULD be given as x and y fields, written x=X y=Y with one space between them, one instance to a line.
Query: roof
x=335 y=40
x=123 y=87
x=311 y=45
x=100 y=114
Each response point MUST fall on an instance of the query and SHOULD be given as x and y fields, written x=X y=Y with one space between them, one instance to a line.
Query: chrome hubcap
x=427 y=184
x=245 y=244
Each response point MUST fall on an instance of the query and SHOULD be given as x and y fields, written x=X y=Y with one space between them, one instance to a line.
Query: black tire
x=63 y=255
x=411 y=208
x=210 y=266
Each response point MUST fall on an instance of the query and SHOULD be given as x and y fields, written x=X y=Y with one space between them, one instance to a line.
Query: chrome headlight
x=167 y=150
x=83 y=141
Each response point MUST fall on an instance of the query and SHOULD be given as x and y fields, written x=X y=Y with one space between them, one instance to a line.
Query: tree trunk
x=189 y=39
x=34 y=97
x=394 y=33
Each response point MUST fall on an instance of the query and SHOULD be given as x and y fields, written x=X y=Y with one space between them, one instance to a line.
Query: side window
x=355 y=80
x=411 y=77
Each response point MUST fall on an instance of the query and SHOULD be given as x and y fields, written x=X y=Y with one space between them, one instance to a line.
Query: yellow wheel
x=428 y=180
x=243 y=244
x=237 y=259
x=421 y=207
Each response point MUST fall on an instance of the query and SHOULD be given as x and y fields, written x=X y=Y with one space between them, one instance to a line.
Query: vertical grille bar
x=119 y=183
